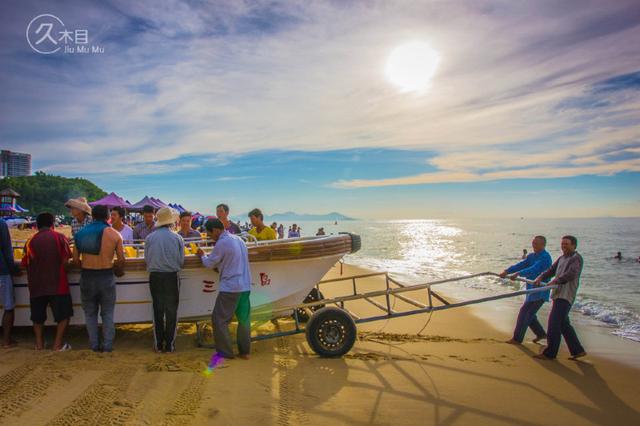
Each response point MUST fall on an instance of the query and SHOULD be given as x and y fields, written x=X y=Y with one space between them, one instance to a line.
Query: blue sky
x=533 y=109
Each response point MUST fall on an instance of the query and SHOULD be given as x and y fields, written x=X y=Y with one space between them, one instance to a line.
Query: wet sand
x=457 y=371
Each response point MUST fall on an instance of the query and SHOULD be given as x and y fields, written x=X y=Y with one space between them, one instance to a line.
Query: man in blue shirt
x=533 y=265
x=231 y=257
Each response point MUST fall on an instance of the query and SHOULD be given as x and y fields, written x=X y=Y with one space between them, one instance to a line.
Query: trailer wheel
x=314 y=295
x=331 y=332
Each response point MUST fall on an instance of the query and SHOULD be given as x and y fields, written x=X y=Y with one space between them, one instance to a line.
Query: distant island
x=293 y=216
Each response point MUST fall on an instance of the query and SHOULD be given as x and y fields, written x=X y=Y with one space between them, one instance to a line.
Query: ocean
x=417 y=251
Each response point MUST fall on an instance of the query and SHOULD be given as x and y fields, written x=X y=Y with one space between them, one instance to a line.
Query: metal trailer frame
x=398 y=291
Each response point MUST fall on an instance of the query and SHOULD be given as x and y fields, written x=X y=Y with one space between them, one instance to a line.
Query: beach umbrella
x=146 y=201
x=176 y=207
x=112 y=200
x=159 y=202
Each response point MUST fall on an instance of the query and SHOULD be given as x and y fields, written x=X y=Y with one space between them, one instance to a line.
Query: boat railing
x=135 y=248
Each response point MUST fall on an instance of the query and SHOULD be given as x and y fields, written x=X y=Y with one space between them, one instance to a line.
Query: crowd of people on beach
x=136 y=228
x=99 y=235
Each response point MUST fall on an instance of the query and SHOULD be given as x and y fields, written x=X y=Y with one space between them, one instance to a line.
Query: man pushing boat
x=231 y=257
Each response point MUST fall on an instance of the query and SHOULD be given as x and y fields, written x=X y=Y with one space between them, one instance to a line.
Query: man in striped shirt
x=147 y=226
x=566 y=270
x=81 y=212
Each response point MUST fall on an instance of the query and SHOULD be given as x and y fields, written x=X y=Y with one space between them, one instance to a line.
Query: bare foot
x=537 y=339
x=513 y=342
x=11 y=344
x=244 y=356
x=577 y=356
x=543 y=357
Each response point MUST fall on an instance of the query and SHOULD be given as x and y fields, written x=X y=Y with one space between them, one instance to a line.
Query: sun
x=412 y=65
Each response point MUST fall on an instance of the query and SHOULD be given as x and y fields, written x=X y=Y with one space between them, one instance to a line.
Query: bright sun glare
x=412 y=65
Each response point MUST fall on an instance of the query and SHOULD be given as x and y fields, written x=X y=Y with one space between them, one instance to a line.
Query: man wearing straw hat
x=164 y=255
x=231 y=257
x=81 y=212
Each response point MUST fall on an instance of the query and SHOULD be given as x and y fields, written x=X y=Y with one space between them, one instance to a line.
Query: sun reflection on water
x=413 y=250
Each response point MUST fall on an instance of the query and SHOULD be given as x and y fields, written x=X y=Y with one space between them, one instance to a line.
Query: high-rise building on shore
x=14 y=164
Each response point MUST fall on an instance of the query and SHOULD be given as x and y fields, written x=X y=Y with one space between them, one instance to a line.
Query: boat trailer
x=331 y=328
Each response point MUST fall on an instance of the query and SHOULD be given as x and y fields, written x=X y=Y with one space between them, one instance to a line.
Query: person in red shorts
x=46 y=258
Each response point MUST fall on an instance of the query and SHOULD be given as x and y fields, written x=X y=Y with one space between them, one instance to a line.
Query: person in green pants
x=231 y=257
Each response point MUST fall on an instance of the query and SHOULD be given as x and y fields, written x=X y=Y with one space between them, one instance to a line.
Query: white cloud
x=316 y=81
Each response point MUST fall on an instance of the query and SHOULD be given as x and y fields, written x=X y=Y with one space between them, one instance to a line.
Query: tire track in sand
x=102 y=403
x=185 y=407
x=289 y=410
x=22 y=385
x=12 y=378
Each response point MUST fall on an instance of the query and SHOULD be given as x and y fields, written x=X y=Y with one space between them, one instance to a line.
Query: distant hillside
x=293 y=216
x=42 y=192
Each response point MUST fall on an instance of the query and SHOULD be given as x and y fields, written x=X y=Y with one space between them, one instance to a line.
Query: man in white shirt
x=117 y=223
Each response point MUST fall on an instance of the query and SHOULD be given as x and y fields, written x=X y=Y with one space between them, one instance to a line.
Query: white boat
x=283 y=273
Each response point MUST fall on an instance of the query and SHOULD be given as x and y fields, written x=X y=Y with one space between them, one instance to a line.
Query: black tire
x=331 y=332
x=313 y=296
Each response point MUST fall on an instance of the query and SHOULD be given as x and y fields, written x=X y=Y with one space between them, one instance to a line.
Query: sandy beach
x=457 y=371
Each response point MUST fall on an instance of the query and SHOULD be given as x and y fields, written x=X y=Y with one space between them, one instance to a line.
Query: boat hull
x=274 y=284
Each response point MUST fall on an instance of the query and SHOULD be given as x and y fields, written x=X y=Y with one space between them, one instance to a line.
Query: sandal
x=65 y=348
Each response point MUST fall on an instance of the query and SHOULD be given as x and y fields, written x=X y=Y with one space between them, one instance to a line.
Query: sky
x=533 y=109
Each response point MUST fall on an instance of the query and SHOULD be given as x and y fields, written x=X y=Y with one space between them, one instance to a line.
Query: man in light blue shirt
x=231 y=257
x=533 y=265
x=164 y=255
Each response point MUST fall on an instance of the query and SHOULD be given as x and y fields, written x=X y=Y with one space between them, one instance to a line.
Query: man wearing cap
x=81 y=212
x=146 y=227
x=164 y=256
x=231 y=257
x=96 y=246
